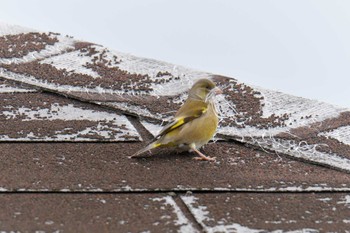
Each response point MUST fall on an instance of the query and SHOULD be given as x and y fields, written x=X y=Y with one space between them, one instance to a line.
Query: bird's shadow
x=165 y=154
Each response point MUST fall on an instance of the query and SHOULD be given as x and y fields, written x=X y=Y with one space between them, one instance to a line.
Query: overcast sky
x=301 y=47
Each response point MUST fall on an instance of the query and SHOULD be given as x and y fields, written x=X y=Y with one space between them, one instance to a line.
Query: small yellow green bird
x=193 y=125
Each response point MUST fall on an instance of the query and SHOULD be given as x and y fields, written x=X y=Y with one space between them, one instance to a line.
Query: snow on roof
x=154 y=90
x=57 y=89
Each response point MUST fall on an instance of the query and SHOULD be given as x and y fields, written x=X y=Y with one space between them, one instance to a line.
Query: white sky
x=301 y=47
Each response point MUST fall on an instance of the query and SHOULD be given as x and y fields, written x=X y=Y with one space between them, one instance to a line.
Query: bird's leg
x=202 y=156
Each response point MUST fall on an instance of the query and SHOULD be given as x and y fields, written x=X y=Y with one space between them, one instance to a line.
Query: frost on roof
x=181 y=220
x=342 y=134
x=44 y=118
x=10 y=87
x=239 y=213
x=19 y=44
x=154 y=90
x=202 y=215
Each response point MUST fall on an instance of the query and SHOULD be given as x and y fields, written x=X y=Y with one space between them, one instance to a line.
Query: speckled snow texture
x=42 y=117
x=18 y=44
x=92 y=213
x=11 y=87
x=253 y=213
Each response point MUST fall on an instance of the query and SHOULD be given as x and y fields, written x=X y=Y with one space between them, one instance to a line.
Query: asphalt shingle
x=264 y=212
x=92 y=213
x=77 y=167
x=44 y=117
x=72 y=112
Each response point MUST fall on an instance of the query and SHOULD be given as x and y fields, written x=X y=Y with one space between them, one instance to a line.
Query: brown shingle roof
x=72 y=113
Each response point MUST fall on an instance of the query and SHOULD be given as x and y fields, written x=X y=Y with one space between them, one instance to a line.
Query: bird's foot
x=202 y=157
x=205 y=158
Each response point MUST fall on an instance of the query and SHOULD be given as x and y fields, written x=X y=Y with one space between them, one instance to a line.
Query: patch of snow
x=65 y=190
x=279 y=103
x=131 y=108
x=127 y=188
x=291 y=189
x=31 y=80
x=130 y=189
x=181 y=98
x=49 y=222
x=11 y=89
x=93 y=190
x=314 y=188
x=181 y=220
x=104 y=131
x=202 y=215
x=72 y=62
x=64 y=43
x=226 y=109
x=151 y=67
x=32 y=190
x=302 y=150
x=326 y=199
x=304 y=230
x=103 y=201
x=154 y=129
x=60 y=112
x=342 y=134
x=71 y=112
x=75 y=62
x=346 y=201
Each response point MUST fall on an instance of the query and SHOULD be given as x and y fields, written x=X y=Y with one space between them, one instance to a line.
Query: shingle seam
x=71 y=96
x=186 y=211
x=66 y=95
x=145 y=134
x=177 y=192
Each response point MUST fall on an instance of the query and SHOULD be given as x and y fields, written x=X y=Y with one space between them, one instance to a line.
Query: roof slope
x=75 y=111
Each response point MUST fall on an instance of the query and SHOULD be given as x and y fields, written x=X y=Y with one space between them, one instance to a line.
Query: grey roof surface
x=72 y=112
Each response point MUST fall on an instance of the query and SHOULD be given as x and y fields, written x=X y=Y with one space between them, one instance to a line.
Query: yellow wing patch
x=177 y=124
x=181 y=121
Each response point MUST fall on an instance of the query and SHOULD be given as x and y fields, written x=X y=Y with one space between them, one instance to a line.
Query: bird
x=193 y=125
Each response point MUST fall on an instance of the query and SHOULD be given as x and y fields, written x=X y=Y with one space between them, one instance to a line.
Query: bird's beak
x=217 y=91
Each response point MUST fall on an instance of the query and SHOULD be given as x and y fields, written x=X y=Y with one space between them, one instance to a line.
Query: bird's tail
x=147 y=148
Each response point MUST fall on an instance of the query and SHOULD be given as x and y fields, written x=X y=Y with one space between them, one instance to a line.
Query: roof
x=73 y=111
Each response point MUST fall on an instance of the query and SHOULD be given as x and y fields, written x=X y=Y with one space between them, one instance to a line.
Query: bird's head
x=204 y=90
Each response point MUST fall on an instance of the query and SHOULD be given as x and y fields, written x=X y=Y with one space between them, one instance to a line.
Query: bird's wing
x=182 y=119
